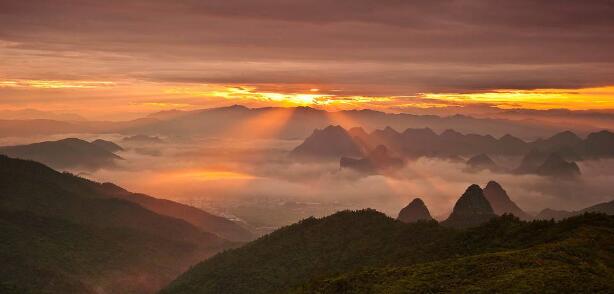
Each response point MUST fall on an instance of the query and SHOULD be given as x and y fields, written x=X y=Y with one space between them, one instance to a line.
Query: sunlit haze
x=118 y=60
x=306 y=146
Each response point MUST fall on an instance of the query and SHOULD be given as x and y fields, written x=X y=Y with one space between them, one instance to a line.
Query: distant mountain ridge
x=298 y=122
x=65 y=153
x=425 y=142
x=107 y=145
x=605 y=207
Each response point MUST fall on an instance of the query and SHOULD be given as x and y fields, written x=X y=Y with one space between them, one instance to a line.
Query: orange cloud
x=131 y=98
x=574 y=99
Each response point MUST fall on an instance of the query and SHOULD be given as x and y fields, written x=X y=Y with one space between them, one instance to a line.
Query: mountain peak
x=451 y=133
x=334 y=128
x=358 y=132
x=107 y=145
x=423 y=131
x=509 y=139
x=482 y=162
x=415 y=211
x=556 y=166
x=471 y=209
x=72 y=141
x=565 y=138
x=473 y=202
x=566 y=134
x=501 y=202
x=332 y=141
x=492 y=185
x=389 y=129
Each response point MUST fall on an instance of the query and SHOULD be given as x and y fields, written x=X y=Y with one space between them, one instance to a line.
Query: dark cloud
x=383 y=47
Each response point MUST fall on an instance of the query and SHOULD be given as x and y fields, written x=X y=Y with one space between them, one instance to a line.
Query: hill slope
x=220 y=226
x=579 y=264
x=60 y=229
x=330 y=248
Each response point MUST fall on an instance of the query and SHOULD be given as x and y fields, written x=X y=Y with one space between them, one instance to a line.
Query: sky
x=120 y=58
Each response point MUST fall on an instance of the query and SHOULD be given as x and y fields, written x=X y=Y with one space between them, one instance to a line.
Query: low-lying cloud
x=220 y=175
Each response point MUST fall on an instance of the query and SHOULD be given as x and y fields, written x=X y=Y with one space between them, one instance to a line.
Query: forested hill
x=367 y=252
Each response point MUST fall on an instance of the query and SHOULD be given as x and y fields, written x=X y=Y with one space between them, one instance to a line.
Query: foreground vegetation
x=367 y=252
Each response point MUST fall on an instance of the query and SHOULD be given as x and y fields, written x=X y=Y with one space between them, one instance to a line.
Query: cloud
x=221 y=174
x=361 y=47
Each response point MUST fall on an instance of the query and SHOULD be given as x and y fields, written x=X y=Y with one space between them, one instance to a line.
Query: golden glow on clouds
x=309 y=97
x=578 y=99
x=575 y=99
x=102 y=98
x=249 y=93
x=54 y=84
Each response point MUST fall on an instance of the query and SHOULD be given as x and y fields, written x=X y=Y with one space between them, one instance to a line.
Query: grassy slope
x=327 y=249
x=582 y=264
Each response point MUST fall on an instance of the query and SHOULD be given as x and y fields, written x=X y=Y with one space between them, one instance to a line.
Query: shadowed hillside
x=220 y=226
x=62 y=235
x=314 y=254
x=580 y=263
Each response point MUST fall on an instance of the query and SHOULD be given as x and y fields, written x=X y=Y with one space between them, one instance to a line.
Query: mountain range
x=477 y=206
x=66 y=234
x=297 y=122
x=450 y=143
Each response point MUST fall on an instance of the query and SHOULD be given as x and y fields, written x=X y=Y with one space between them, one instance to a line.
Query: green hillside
x=368 y=252
x=583 y=263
